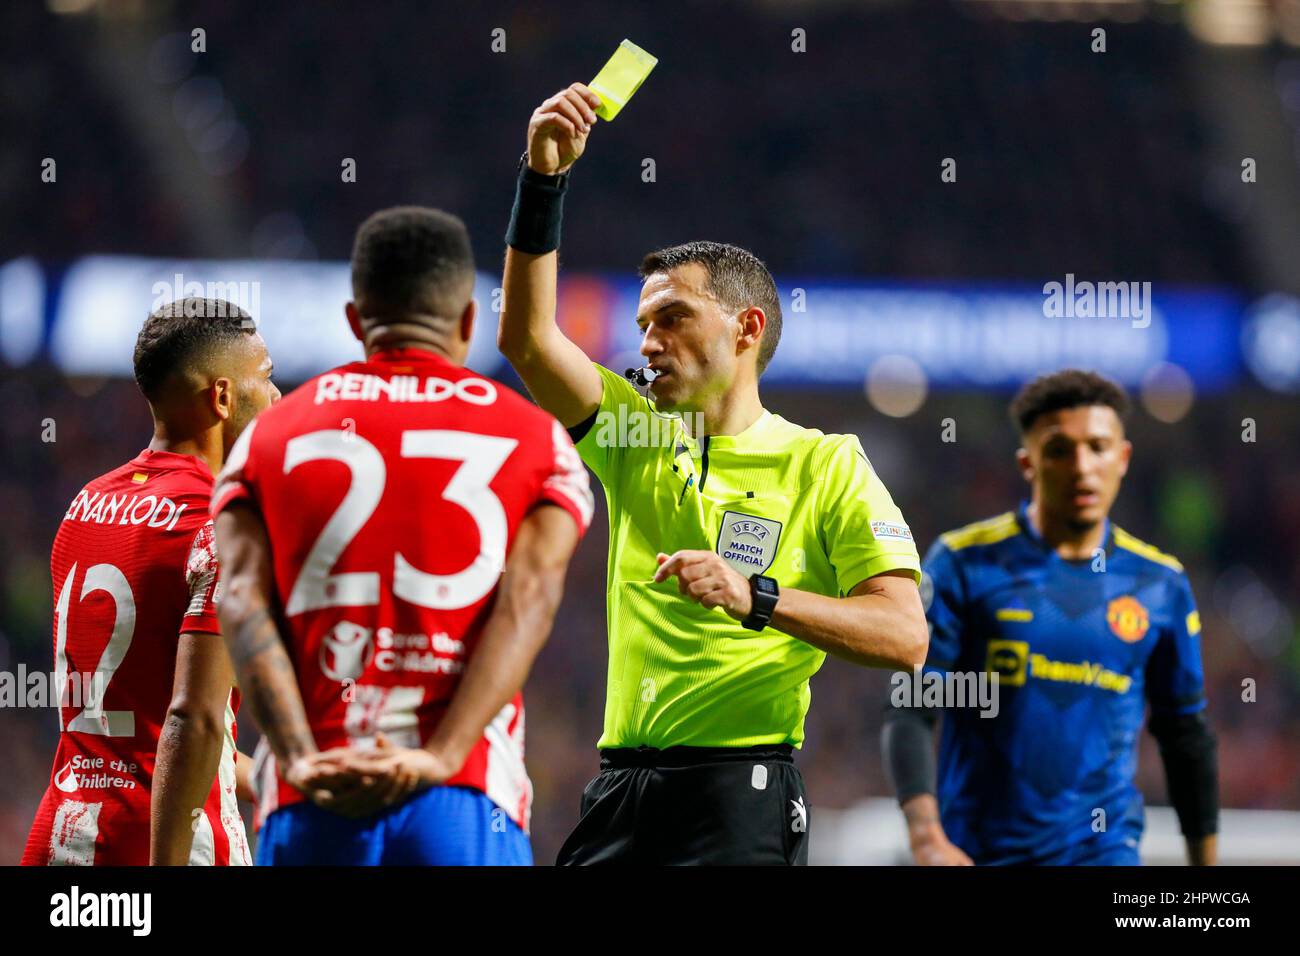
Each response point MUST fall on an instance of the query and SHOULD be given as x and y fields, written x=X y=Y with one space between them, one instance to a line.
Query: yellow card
x=620 y=78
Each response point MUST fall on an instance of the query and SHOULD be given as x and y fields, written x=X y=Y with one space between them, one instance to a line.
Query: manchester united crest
x=1128 y=619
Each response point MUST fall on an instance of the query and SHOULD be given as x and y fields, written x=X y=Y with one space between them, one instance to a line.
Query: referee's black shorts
x=692 y=805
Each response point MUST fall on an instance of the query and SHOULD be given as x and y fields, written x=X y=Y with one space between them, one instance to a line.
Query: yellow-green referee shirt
x=793 y=503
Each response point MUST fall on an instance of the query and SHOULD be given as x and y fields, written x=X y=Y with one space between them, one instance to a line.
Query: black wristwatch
x=763 y=593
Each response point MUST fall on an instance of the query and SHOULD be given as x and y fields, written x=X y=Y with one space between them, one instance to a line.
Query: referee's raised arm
x=557 y=372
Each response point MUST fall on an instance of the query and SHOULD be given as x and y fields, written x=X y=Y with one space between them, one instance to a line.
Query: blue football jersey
x=1080 y=648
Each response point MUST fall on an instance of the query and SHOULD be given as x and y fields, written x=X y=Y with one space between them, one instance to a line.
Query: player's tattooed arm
x=265 y=672
x=266 y=675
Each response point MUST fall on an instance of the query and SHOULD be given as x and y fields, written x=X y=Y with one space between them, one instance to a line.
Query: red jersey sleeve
x=202 y=584
x=237 y=479
x=567 y=485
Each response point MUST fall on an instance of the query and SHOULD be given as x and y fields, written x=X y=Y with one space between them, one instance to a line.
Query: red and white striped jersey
x=391 y=490
x=134 y=566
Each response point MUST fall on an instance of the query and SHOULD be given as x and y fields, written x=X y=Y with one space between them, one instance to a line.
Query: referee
x=743 y=548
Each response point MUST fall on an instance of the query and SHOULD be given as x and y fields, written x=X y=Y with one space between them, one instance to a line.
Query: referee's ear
x=750 y=326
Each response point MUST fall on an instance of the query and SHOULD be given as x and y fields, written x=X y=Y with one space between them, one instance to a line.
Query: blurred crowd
x=826 y=161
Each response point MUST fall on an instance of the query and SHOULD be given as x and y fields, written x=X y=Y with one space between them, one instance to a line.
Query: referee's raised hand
x=558 y=129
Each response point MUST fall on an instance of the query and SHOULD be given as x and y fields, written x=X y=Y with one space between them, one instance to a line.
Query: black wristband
x=907 y=744
x=539 y=207
x=1190 y=755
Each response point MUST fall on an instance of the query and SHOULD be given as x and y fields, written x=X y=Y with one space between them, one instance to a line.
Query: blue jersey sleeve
x=943 y=593
x=1175 y=680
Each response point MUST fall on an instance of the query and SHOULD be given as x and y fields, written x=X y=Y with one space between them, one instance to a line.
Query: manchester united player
x=134 y=574
x=391 y=572
x=1089 y=629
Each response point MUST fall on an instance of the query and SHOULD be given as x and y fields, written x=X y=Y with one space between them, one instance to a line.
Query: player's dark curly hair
x=1068 y=388
x=738 y=278
x=184 y=334
x=411 y=260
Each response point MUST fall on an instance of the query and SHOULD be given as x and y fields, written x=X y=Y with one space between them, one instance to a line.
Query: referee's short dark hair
x=737 y=277
x=183 y=336
x=412 y=260
x=1068 y=388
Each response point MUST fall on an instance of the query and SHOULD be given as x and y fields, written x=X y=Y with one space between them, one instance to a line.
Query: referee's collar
x=745 y=439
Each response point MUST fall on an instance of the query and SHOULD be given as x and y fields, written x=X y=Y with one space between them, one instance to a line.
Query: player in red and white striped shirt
x=394 y=536
x=147 y=719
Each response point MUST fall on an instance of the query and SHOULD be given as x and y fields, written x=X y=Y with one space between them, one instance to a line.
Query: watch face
x=764 y=584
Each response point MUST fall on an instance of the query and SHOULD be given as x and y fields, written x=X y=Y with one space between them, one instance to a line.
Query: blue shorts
x=441 y=826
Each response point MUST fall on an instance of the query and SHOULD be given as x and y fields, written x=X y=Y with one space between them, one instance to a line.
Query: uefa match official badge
x=748 y=543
